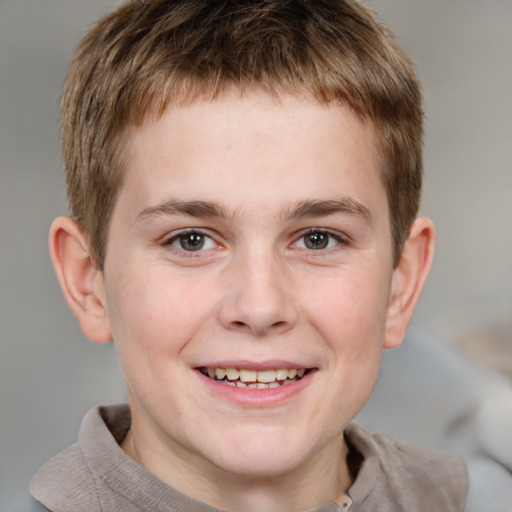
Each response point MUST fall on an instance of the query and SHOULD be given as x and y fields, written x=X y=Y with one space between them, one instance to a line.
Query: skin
x=259 y=180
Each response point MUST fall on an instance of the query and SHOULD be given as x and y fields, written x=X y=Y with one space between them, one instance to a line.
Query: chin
x=264 y=466
x=263 y=456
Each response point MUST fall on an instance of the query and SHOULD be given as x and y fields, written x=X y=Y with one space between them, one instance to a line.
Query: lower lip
x=254 y=398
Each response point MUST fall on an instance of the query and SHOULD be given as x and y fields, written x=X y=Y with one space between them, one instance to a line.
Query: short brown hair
x=148 y=54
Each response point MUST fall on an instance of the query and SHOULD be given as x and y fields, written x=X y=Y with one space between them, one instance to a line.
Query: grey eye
x=193 y=241
x=317 y=240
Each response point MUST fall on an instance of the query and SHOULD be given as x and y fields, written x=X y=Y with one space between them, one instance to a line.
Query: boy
x=244 y=179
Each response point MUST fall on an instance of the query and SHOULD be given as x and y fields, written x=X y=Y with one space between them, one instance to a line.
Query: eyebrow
x=323 y=208
x=302 y=209
x=191 y=208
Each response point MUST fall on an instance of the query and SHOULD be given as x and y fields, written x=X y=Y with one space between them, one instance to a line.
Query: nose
x=258 y=296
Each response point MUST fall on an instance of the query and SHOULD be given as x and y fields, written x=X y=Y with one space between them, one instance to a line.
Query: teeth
x=220 y=373
x=263 y=379
x=266 y=376
x=248 y=375
x=281 y=374
x=232 y=374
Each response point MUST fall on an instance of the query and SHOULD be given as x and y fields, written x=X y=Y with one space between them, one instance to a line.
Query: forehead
x=238 y=146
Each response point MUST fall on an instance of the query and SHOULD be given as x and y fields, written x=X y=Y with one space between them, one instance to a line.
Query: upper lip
x=255 y=365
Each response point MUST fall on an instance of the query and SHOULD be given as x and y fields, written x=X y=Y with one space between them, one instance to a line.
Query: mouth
x=254 y=379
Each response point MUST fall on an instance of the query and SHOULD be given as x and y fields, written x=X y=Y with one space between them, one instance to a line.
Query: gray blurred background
x=50 y=376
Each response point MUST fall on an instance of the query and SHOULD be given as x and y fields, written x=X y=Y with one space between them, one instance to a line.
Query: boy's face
x=251 y=235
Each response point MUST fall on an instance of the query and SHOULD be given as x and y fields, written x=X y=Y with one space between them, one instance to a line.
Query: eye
x=317 y=240
x=192 y=241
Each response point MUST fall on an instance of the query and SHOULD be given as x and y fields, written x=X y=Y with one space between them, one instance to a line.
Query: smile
x=252 y=379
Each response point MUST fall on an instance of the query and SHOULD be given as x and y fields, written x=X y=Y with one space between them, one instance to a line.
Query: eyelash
x=325 y=232
x=182 y=234
x=207 y=238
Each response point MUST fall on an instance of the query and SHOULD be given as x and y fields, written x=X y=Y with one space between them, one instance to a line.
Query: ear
x=80 y=279
x=408 y=280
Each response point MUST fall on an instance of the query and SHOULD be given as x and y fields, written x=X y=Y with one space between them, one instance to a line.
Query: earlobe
x=80 y=279
x=408 y=280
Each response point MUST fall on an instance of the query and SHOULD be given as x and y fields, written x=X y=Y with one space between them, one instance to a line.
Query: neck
x=312 y=484
x=323 y=478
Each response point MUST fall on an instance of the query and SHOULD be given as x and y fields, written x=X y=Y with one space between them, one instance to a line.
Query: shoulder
x=66 y=483
x=81 y=477
x=407 y=475
x=392 y=451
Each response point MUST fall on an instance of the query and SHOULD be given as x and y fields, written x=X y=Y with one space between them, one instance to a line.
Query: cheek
x=153 y=313
x=352 y=306
x=350 y=316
